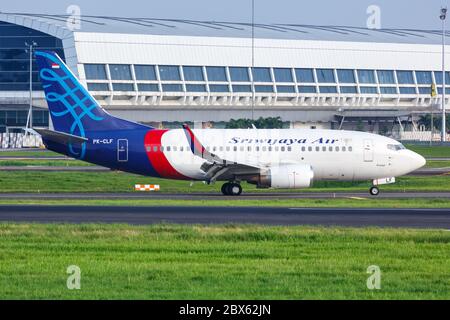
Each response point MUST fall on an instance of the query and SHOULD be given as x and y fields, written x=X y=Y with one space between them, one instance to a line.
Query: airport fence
x=19 y=140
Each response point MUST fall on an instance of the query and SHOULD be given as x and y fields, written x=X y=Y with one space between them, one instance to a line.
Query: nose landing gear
x=374 y=191
x=231 y=189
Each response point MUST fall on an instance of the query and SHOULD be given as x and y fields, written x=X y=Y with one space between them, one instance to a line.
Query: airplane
x=267 y=158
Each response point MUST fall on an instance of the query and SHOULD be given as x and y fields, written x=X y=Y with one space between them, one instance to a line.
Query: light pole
x=443 y=16
x=30 y=111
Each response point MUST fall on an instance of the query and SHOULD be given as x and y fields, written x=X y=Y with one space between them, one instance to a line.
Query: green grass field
x=32 y=181
x=430 y=151
x=36 y=162
x=358 y=202
x=221 y=262
x=29 y=153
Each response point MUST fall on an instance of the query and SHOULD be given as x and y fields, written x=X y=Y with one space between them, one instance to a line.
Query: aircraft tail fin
x=72 y=108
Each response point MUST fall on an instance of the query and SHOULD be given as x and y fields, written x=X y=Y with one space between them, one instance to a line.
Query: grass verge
x=33 y=181
x=297 y=203
x=221 y=262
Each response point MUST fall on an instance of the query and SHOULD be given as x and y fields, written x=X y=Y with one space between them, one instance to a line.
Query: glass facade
x=285 y=81
x=346 y=76
x=386 y=76
x=218 y=88
x=195 y=88
x=366 y=76
x=120 y=71
x=239 y=74
x=98 y=86
x=146 y=87
x=216 y=73
x=325 y=75
x=18 y=118
x=307 y=89
x=351 y=90
x=95 y=71
x=193 y=73
x=285 y=89
x=123 y=87
x=368 y=90
x=424 y=77
x=14 y=56
x=304 y=75
x=283 y=75
x=262 y=75
x=242 y=88
x=405 y=77
x=143 y=72
x=169 y=73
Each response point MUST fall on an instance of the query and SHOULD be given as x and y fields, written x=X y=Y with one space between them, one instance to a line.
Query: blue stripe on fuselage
x=102 y=149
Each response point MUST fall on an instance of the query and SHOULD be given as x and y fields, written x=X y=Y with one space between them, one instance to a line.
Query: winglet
x=198 y=149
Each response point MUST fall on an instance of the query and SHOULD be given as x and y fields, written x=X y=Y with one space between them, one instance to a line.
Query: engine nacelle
x=291 y=176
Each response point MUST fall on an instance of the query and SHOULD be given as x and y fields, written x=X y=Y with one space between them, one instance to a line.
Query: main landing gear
x=374 y=191
x=231 y=189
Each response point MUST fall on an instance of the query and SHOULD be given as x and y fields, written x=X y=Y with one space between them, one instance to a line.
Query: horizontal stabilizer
x=60 y=137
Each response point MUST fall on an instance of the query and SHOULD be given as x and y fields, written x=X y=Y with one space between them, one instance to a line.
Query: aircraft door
x=122 y=150
x=368 y=150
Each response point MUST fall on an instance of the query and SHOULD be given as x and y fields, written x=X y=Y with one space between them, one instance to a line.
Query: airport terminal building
x=164 y=72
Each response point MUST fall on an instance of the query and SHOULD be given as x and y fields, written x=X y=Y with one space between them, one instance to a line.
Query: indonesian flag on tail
x=55 y=66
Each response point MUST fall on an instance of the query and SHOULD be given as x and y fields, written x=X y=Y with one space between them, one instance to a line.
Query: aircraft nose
x=415 y=161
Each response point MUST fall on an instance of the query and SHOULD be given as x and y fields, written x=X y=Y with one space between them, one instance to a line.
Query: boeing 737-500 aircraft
x=269 y=158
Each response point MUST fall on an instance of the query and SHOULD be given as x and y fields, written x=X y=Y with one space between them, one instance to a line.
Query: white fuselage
x=332 y=154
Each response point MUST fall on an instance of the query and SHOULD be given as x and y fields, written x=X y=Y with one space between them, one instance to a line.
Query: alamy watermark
x=374 y=280
x=374 y=17
x=74 y=278
x=73 y=21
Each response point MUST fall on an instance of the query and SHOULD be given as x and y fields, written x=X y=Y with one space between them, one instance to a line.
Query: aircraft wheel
x=374 y=191
x=235 y=189
x=225 y=188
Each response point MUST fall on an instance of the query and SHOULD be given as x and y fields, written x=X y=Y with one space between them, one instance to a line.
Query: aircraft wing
x=215 y=167
x=60 y=137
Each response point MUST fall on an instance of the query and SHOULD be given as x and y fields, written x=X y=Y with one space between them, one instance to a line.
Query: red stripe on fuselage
x=157 y=158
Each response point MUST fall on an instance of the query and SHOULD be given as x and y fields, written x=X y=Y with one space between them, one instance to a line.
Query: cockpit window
x=396 y=147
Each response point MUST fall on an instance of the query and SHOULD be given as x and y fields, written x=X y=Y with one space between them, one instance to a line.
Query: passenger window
x=303 y=149
x=174 y=148
x=289 y=148
x=228 y=148
x=181 y=148
x=235 y=148
x=249 y=148
x=344 y=149
x=168 y=148
x=276 y=149
x=242 y=148
x=317 y=149
x=350 y=149
x=257 y=149
x=309 y=148
x=214 y=149
x=270 y=149
x=324 y=149
x=264 y=148
x=161 y=148
x=221 y=148
x=330 y=149
x=148 y=148
x=337 y=149
x=282 y=149
x=155 y=148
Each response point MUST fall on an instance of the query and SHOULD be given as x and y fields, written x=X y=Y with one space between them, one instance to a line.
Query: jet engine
x=290 y=176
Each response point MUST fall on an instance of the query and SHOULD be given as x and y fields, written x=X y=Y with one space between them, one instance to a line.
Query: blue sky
x=421 y=14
